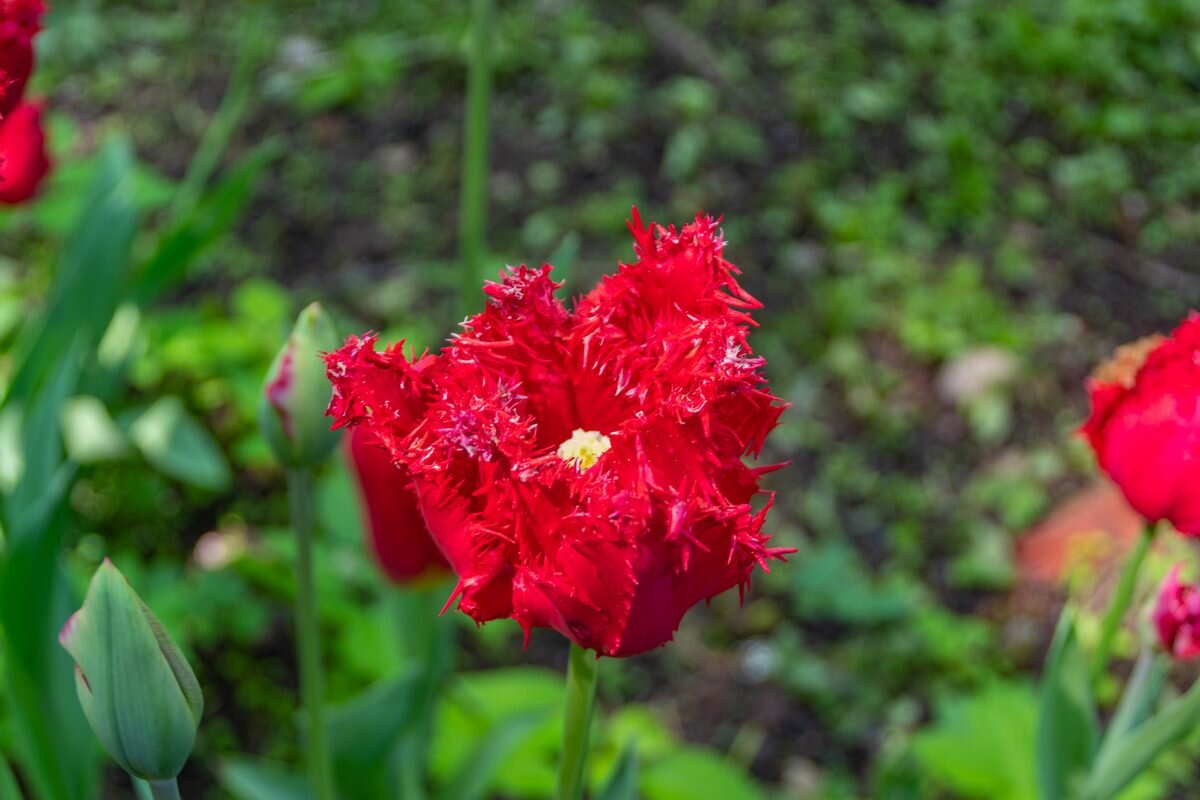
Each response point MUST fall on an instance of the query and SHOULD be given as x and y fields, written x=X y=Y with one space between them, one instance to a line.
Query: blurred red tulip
x=20 y=20
x=1145 y=425
x=23 y=159
x=397 y=534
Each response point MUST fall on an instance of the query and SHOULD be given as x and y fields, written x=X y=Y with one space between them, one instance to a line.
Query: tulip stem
x=577 y=725
x=164 y=790
x=308 y=647
x=1121 y=598
x=428 y=640
x=473 y=198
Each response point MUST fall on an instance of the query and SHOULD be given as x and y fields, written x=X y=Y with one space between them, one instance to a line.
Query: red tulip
x=582 y=470
x=23 y=159
x=1177 y=616
x=397 y=533
x=20 y=20
x=1145 y=425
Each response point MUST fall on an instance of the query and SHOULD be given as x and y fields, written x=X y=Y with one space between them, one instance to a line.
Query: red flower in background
x=582 y=470
x=1177 y=616
x=23 y=152
x=20 y=20
x=23 y=160
x=396 y=530
x=1145 y=425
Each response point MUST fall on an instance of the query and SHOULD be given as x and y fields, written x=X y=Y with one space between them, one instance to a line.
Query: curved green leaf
x=1068 y=728
x=1135 y=751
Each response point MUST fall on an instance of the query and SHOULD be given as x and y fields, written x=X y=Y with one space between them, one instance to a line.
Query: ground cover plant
x=952 y=214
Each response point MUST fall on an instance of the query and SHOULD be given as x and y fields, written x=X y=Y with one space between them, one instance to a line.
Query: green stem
x=308 y=647
x=1121 y=598
x=577 y=725
x=428 y=639
x=164 y=790
x=473 y=209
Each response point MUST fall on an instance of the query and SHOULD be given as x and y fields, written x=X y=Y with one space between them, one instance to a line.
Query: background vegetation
x=951 y=210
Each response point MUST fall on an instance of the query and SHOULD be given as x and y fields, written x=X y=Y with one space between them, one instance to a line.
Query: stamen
x=584 y=448
x=1122 y=368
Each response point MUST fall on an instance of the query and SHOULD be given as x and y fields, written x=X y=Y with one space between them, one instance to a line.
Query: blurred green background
x=951 y=210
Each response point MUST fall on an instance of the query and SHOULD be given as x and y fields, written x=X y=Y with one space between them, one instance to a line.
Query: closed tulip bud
x=138 y=692
x=296 y=393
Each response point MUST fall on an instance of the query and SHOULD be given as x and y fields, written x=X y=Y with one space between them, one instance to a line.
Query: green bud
x=138 y=692
x=291 y=410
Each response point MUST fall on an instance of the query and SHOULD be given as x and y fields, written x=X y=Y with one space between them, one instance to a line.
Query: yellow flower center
x=584 y=448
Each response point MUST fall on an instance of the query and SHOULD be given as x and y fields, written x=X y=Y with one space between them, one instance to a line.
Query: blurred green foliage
x=951 y=210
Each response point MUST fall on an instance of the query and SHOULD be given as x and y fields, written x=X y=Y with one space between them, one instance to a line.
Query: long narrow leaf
x=1137 y=749
x=213 y=215
x=622 y=784
x=1068 y=728
x=8 y=783
x=91 y=273
x=365 y=732
x=478 y=770
x=255 y=780
x=1137 y=701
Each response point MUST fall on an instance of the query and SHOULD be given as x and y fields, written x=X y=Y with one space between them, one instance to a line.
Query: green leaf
x=89 y=433
x=259 y=780
x=1068 y=728
x=819 y=584
x=694 y=773
x=90 y=276
x=8 y=782
x=179 y=446
x=1137 y=701
x=981 y=745
x=476 y=773
x=213 y=215
x=476 y=702
x=57 y=753
x=364 y=734
x=1137 y=749
x=622 y=784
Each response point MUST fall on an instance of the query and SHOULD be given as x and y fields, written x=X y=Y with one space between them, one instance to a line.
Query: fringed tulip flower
x=1177 y=617
x=1145 y=425
x=582 y=469
x=396 y=530
x=23 y=159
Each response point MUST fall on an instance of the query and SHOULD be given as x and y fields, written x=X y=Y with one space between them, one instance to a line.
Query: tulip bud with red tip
x=295 y=393
x=397 y=534
x=1177 y=616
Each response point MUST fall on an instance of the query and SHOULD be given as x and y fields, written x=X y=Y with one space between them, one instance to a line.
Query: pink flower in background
x=1177 y=616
